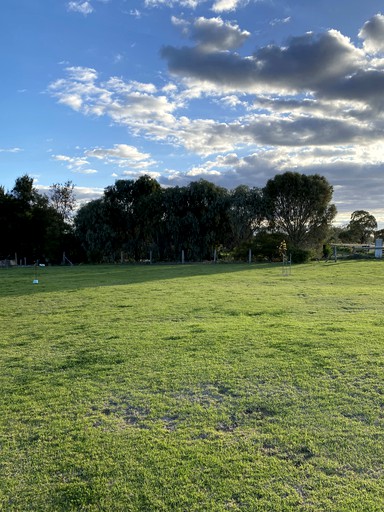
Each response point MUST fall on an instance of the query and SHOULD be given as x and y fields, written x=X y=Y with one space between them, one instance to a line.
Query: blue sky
x=231 y=91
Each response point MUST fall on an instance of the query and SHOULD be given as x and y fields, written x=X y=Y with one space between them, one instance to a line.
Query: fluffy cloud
x=325 y=68
x=120 y=151
x=226 y=5
x=76 y=164
x=373 y=34
x=192 y=4
x=306 y=63
x=82 y=7
x=217 y=5
x=72 y=162
x=213 y=34
x=121 y=156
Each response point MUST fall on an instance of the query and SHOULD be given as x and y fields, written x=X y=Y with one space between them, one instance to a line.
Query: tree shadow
x=20 y=281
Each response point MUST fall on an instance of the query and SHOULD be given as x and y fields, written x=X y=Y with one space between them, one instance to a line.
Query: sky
x=231 y=91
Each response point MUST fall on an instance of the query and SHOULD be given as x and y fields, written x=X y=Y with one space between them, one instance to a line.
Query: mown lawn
x=192 y=388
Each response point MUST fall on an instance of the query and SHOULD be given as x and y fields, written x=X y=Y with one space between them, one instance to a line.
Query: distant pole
x=250 y=256
x=215 y=256
x=379 y=248
x=182 y=256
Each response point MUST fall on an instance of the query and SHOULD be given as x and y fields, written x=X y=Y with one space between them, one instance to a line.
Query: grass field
x=192 y=388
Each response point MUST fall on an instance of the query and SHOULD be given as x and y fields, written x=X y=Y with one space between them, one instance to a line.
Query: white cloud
x=10 y=150
x=131 y=174
x=121 y=156
x=372 y=33
x=306 y=63
x=192 y=4
x=86 y=171
x=119 y=151
x=279 y=21
x=73 y=163
x=217 y=5
x=82 y=74
x=135 y=13
x=85 y=194
x=72 y=100
x=215 y=34
x=81 y=7
x=78 y=165
x=226 y=5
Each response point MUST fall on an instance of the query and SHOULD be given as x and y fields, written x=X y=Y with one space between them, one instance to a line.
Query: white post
x=379 y=248
x=250 y=256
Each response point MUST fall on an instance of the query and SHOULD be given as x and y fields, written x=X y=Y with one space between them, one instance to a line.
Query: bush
x=301 y=255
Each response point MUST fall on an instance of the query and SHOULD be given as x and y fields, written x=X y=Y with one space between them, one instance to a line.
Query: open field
x=192 y=388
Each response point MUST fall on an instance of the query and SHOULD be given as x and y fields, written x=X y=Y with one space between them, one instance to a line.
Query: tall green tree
x=95 y=233
x=29 y=226
x=8 y=233
x=133 y=210
x=24 y=192
x=362 y=226
x=299 y=206
x=208 y=218
x=62 y=198
x=174 y=227
x=195 y=219
x=246 y=214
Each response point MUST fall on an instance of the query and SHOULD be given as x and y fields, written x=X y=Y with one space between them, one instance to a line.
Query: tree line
x=135 y=218
x=36 y=226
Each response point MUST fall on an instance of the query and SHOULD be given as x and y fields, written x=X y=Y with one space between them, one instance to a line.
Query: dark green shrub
x=300 y=255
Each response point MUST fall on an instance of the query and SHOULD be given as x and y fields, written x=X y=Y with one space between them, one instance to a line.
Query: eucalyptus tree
x=178 y=225
x=299 y=206
x=246 y=213
x=29 y=226
x=132 y=208
x=195 y=219
x=8 y=225
x=94 y=232
x=62 y=198
x=362 y=226
x=208 y=215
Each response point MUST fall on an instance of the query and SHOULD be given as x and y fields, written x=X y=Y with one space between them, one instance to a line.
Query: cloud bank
x=314 y=103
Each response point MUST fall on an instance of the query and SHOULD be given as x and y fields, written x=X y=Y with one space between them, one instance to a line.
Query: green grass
x=192 y=388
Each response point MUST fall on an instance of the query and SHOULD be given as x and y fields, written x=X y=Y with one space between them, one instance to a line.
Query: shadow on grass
x=20 y=280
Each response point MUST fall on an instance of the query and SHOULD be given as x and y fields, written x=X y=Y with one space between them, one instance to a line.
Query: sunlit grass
x=192 y=388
